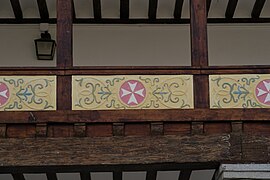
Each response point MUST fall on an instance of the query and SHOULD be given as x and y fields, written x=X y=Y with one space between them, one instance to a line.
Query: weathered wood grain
x=114 y=150
x=139 y=116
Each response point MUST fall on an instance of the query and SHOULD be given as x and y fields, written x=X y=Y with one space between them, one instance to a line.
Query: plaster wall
x=140 y=45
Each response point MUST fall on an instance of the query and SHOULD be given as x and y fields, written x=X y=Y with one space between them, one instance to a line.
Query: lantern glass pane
x=44 y=48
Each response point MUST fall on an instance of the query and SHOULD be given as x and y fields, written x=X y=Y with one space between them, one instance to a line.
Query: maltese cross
x=132 y=92
x=4 y=94
x=263 y=92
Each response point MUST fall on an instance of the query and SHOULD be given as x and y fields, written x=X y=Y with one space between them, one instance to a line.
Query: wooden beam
x=117 y=175
x=184 y=175
x=51 y=176
x=43 y=10
x=198 y=28
x=231 y=8
x=97 y=9
x=64 y=33
x=73 y=10
x=152 y=9
x=17 y=10
x=201 y=91
x=85 y=175
x=124 y=9
x=126 y=150
x=178 y=9
x=18 y=176
x=151 y=175
x=208 y=5
x=257 y=8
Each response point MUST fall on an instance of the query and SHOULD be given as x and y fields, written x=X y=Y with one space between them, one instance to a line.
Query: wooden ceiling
x=134 y=11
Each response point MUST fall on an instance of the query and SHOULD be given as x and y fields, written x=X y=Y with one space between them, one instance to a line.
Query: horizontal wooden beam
x=132 y=153
x=200 y=115
x=136 y=21
x=136 y=70
x=126 y=150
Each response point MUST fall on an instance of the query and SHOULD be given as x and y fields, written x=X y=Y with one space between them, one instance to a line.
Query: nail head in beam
x=43 y=10
x=178 y=9
x=152 y=9
x=97 y=9
x=184 y=175
x=257 y=8
x=231 y=8
x=16 y=6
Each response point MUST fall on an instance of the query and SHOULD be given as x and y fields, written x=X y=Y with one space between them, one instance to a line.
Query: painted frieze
x=132 y=92
x=240 y=91
x=27 y=93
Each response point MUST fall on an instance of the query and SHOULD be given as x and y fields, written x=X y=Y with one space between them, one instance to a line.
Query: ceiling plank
x=257 y=8
x=43 y=10
x=85 y=175
x=184 y=175
x=124 y=9
x=97 y=9
x=152 y=9
x=231 y=8
x=18 y=176
x=51 y=176
x=17 y=9
x=178 y=9
x=117 y=175
x=151 y=175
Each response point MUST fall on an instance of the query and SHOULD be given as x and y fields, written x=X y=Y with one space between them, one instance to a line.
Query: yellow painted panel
x=132 y=92
x=27 y=93
x=240 y=91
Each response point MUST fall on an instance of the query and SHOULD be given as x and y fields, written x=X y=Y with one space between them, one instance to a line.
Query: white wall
x=138 y=45
x=17 y=46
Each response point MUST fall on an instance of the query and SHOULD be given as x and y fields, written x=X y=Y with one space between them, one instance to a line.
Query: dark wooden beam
x=198 y=28
x=124 y=9
x=64 y=33
x=151 y=175
x=231 y=8
x=98 y=151
x=208 y=5
x=17 y=10
x=152 y=9
x=117 y=175
x=73 y=10
x=43 y=10
x=97 y=9
x=51 y=176
x=184 y=175
x=18 y=176
x=257 y=8
x=85 y=175
x=178 y=9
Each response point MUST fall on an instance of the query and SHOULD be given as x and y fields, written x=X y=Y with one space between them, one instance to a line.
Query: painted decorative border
x=132 y=92
x=27 y=93
x=240 y=91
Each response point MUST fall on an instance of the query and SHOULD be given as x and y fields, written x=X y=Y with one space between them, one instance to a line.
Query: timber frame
x=200 y=138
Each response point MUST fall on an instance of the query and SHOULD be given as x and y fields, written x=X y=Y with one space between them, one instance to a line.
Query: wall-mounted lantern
x=45 y=46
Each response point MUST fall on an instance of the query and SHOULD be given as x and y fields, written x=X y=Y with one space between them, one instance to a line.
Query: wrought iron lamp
x=45 y=46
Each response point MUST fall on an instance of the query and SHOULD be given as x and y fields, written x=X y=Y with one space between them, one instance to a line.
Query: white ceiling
x=138 y=8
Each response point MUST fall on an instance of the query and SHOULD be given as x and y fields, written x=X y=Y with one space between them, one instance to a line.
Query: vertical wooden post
x=199 y=50
x=64 y=33
x=198 y=32
x=64 y=52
